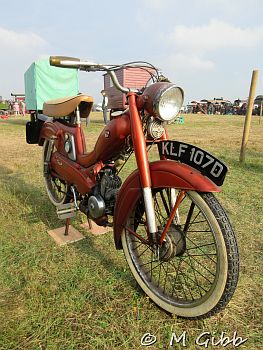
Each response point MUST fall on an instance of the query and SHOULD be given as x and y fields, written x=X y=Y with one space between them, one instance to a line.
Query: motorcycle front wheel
x=195 y=272
x=57 y=189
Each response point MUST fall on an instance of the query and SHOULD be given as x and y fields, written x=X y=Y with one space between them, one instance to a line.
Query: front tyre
x=196 y=272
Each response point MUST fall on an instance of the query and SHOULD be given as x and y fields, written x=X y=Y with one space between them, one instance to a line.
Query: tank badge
x=107 y=134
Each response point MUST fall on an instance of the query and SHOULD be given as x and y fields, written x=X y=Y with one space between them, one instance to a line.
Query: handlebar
x=59 y=61
x=72 y=62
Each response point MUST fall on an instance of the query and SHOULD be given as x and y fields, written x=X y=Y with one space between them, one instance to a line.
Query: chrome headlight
x=169 y=103
x=164 y=100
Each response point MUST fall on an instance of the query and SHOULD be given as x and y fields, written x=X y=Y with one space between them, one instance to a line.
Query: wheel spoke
x=207 y=279
x=196 y=281
x=152 y=268
x=198 y=222
x=199 y=247
x=165 y=204
x=161 y=218
x=166 y=270
x=189 y=224
x=189 y=216
x=199 y=231
x=143 y=251
x=201 y=254
x=203 y=266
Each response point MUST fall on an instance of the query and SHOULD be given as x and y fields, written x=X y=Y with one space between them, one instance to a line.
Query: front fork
x=140 y=151
x=142 y=163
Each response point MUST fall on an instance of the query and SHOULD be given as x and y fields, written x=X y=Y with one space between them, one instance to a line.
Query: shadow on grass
x=29 y=195
x=42 y=210
x=87 y=247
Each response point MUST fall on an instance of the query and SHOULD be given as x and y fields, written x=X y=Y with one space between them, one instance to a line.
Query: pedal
x=66 y=211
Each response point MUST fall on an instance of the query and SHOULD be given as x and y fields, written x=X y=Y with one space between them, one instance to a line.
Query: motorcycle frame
x=83 y=171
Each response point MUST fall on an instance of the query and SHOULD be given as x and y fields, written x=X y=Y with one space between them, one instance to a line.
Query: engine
x=102 y=201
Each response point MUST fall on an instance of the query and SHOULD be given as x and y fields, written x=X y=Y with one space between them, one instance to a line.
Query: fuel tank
x=110 y=141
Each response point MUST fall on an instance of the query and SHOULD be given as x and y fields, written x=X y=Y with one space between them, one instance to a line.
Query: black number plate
x=196 y=157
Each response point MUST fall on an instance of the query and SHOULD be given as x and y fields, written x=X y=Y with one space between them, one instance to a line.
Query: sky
x=208 y=47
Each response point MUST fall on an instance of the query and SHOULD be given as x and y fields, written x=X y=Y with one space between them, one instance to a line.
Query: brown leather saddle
x=65 y=106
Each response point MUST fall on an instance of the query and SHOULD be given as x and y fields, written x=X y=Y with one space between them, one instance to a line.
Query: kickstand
x=67 y=227
x=90 y=224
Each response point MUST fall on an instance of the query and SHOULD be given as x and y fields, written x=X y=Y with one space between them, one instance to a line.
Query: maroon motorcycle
x=177 y=238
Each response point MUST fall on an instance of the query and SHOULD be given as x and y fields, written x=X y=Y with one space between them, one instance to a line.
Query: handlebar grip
x=64 y=61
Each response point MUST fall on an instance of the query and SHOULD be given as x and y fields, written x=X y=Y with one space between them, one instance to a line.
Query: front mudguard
x=164 y=173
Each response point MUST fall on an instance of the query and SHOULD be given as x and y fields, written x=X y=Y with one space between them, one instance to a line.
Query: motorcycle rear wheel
x=196 y=273
x=57 y=189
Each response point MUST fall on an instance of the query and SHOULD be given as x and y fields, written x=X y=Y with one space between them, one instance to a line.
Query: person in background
x=16 y=108
x=23 y=108
x=104 y=105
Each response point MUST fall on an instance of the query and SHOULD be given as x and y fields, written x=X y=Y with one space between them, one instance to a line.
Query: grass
x=83 y=296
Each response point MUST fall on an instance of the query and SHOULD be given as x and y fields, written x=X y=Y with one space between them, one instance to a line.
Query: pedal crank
x=66 y=211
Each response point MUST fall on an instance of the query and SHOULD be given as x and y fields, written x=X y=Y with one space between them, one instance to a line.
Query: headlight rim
x=157 y=99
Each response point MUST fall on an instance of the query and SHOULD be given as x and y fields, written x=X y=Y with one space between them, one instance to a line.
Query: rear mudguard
x=48 y=130
x=164 y=173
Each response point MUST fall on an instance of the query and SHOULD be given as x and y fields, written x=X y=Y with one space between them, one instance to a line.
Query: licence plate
x=196 y=157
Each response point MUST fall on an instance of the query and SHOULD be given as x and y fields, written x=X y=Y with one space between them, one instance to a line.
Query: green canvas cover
x=44 y=82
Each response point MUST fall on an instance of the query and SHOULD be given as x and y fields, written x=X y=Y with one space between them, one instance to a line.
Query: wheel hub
x=174 y=243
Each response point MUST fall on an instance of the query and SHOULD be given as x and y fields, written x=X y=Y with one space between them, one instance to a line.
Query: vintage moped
x=176 y=237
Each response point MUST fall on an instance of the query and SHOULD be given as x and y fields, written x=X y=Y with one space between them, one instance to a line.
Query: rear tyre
x=57 y=189
x=196 y=272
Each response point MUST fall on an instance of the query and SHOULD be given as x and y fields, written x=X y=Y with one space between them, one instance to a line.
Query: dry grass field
x=83 y=296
